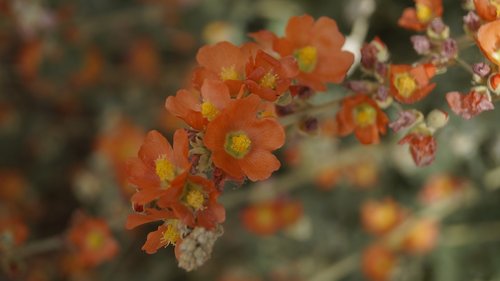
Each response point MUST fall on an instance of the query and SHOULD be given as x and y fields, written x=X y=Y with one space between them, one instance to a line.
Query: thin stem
x=464 y=65
x=40 y=247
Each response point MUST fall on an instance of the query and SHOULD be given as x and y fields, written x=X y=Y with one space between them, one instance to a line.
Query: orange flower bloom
x=409 y=84
x=195 y=203
x=380 y=217
x=225 y=62
x=422 y=237
x=317 y=48
x=488 y=40
x=488 y=10
x=241 y=143
x=268 y=77
x=266 y=218
x=159 y=167
x=92 y=239
x=378 y=263
x=13 y=229
x=419 y=17
x=440 y=187
x=423 y=147
x=362 y=115
x=197 y=111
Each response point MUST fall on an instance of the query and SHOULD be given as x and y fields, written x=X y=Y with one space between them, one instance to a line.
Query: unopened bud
x=437 y=119
x=494 y=83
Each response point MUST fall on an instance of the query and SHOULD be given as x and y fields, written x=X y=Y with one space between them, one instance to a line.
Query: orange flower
x=119 y=144
x=225 y=62
x=169 y=233
x=93 y=240
x=409 y=84
x=488 y=10
x=241 y=143
x=378 y=263
x=419 y=17
x=317 y=48
x=159 y=167
x=440 y=187
x=380 y=217
x=488 y=39
x=266 y=218
x=422 y=237
x=362 y=115
x=197 y=111
x=195 y=203
x=268 y=77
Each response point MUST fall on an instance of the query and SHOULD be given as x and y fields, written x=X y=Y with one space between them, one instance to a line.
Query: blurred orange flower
x=421 y=237
x=378 y=263
x=92 y=239
x=380 y=217
x=488 y=10
x=266 y=218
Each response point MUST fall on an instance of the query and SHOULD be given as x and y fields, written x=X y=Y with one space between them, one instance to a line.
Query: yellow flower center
x=164 y=169
x=195 y=199
x=405 y=84
x=237 y=144
x=171 y=234
x=496 y=4
x=424 y=13
x=307 y=58
x=94 y=240
x=209 y=111
x=365 y=115
x=269 y=80
x=228 y=73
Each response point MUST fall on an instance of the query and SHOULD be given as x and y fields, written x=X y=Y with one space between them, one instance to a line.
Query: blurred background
x=82 y=81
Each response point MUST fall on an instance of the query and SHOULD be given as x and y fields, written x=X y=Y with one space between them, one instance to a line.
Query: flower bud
x=494 y=83
x=421 y=44
x=437 y=30
x=437 y=119
x=472 y=22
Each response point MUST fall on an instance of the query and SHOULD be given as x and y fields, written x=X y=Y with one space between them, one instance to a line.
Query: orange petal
x=259 y=164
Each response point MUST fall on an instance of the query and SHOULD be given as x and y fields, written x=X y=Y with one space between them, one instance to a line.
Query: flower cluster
x=233 y=129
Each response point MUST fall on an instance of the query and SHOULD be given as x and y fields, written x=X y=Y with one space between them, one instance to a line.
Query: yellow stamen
x=269 y=80
x=164 y=169
x=94 y=240
x=237 y=144
x=365 y=115
x=195 y=199
x=171 y=234
x=209 y=111
x=228 y=73
x=307 y=58
x=496 y=4
x=424 y=13
x=405 y=84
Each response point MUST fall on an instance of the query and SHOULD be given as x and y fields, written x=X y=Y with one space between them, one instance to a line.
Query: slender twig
x=39 y=247
x=464 y=65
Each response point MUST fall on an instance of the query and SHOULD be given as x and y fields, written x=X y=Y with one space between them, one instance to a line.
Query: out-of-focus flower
x=316 y=45
x=409 y=84
x=218 y=31
x=241 y=143
x=440 y=187
x=266 y=218
x=422 y=237
x=92 y=240
x=378 y=263
x=380 y=217
x=361 y=115
x=489 y=41
x=470 y=104
x=488 y=10
x=363 y=174
x=13 y=186
x=418 y=17
x=422 y=147
x=144 y=60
